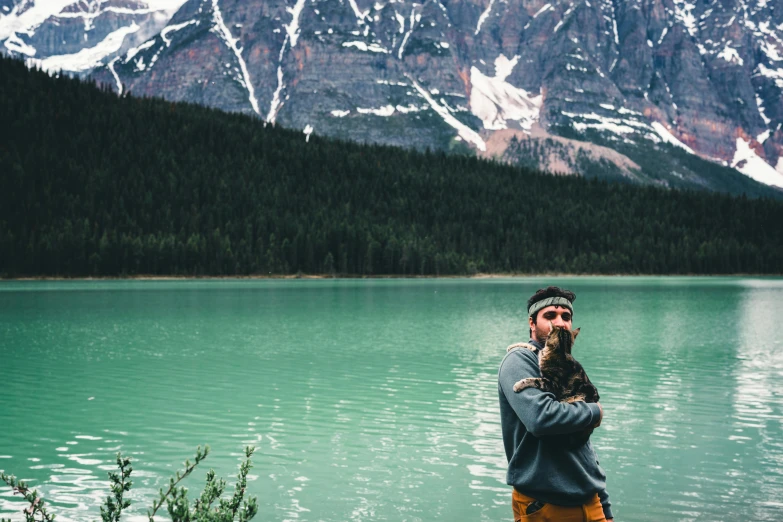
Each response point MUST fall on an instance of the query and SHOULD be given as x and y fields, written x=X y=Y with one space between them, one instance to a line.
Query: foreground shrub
x=208 y=507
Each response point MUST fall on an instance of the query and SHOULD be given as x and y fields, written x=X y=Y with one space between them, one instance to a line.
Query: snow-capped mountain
x=488 y=75
x=77 y=36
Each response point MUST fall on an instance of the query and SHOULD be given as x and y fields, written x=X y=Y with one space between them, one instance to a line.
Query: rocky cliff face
x=704 y=76
x=78 y=36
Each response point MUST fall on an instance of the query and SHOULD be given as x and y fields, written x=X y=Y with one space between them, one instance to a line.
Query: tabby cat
x=562 y=375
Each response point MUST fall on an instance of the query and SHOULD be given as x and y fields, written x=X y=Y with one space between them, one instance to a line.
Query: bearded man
x=552 y=481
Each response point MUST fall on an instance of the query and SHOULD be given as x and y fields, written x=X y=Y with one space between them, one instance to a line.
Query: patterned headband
x=549 y=301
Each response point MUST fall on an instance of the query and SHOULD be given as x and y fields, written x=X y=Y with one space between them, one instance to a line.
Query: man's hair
x=550 y=291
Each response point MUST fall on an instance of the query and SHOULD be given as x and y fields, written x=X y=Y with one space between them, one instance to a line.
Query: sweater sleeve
x=537 y=410
x=603 y=496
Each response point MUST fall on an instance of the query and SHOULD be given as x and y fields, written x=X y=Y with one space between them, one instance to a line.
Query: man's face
x=555 y=315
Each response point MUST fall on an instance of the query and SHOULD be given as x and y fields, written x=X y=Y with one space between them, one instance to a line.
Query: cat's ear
x=575 y=333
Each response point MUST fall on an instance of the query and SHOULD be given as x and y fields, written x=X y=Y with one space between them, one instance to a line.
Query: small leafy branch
x=36 y=507
x=201 y=454
x=208 y=507
x=226 y=510
x=119 y=485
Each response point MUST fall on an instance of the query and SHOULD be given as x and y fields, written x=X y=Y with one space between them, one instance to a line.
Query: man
x=550 y=479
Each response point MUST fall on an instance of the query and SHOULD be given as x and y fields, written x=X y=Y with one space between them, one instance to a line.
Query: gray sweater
x=535 y=425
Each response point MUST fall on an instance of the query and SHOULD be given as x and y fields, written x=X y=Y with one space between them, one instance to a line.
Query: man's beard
x=540 y=333
x=542 y=330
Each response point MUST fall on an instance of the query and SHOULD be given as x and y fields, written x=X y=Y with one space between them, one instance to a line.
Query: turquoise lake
x=377 y=399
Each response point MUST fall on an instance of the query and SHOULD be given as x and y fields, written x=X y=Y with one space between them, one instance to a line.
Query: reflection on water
x=378 y=399
x=758 y=387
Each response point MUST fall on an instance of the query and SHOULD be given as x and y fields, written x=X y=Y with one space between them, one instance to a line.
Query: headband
x=549 y=301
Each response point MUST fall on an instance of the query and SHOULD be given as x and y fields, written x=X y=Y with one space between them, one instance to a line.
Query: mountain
x=78 y=36
x=671 y=92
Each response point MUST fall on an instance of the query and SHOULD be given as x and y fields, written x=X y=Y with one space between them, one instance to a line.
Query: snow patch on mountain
x=663 y=35
x=173 y=28
x=384 y=111
x=362 y=46
x=292 y=29
x=36 y=13
x=730 y=54
x=484 y=16
x=543 y=9
x=463 y=130
x=222 y=30
x=274 y=106
x=133 y=51
x=605 y=123
x=292 y=35
x=683 y=12
x=410 y=108
x=169 y=6
x=32 y=17
x=760 y=104
x=775 y=74
x=495 y=101
x=88 y=57
x=668 y=137
x=116 y=76
x=96 y=11
x=749 y=163
x=15 y=44
x=415 y=18
x=360 y=15
x=401 y=21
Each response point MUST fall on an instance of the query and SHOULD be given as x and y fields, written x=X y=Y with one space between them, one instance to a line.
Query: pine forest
x=92 y=184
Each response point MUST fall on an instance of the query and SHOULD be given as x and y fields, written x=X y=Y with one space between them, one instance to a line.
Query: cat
x=562 y=375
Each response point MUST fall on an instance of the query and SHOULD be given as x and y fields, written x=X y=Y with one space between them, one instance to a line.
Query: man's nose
x=558 y=321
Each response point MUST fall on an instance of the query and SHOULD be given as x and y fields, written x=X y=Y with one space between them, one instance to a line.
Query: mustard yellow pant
x=590 y=512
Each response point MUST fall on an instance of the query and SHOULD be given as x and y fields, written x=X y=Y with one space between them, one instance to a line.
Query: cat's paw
x=522 y=345
x=522 y=384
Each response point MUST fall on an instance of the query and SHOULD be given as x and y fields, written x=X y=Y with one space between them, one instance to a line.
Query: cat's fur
x=562 y=375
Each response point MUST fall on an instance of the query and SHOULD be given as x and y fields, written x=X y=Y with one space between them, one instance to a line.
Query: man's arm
x=603 y=496
x=539 y=411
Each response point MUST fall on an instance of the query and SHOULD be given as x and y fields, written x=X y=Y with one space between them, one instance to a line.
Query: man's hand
x=600 y=419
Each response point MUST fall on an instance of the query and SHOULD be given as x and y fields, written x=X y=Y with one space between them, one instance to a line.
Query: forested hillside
x=93 y=184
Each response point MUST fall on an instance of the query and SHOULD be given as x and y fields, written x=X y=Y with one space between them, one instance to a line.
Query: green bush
x=208 y=507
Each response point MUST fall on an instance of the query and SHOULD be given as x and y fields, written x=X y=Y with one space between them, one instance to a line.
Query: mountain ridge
x=703 y=76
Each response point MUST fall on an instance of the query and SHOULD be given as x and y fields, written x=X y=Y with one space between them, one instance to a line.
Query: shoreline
x=145 y=277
